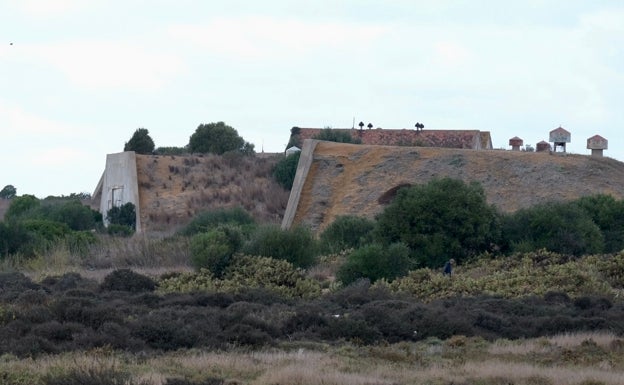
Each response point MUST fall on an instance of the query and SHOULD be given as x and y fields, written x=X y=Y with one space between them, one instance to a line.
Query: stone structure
x=559 y=137
x=466 y=139
x=597 y=144
x=543 y=146
x=118 y=184
x=515 y=143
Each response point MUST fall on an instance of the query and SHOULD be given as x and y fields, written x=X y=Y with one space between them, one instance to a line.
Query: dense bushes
x=440 y=220
x=33 y=226
x=208 y=220
x=340 y=136
x=68 y=313
x=296 y=245
x=213 y=250
x=124 y=215
x=374 y=262
x=286 y=169
x=346 y=232
x=559 y=227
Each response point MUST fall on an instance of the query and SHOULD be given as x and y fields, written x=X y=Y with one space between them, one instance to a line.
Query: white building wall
x=120 y=184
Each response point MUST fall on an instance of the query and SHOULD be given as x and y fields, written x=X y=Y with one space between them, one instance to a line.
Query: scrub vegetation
x=535 y=296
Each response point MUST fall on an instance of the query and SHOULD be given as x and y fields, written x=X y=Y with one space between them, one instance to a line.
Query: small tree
x=297 y=245
x=443 y=219
x=141 y=142
x=213 y=250
x=21 y=205
x=374 y=262
x=286 y=169
x=8 y=192
x=124 y=215
x=564 y=228
x=216 y=138
x=347 y=232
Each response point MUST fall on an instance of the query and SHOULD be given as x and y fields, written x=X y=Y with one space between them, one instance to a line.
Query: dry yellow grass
x=348 y=179
x=427 y=362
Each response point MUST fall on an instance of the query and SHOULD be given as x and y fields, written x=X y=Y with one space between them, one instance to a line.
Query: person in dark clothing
x=448 y=267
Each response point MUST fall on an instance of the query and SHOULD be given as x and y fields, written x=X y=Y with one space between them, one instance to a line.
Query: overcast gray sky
x=81 y=76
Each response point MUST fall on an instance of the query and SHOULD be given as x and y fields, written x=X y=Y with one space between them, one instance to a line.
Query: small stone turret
x=560 y=136
x=543 y=146
x=515 y=143
x=597 y=144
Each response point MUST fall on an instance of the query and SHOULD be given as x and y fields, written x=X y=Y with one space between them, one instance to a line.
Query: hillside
x=172 y=189
x=347 y=179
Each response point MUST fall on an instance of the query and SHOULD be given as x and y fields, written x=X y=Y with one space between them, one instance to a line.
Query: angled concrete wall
x=305 y=160
x=119 y=184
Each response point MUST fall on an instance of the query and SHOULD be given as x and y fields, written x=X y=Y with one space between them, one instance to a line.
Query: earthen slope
x=347 y=179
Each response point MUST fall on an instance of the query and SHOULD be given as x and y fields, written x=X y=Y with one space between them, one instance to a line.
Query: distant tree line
x=32 y=226
x=215 y=138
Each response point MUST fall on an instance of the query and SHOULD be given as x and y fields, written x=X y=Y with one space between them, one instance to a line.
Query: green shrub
x=286 y=169
x=443 y=219
x=214 y=249
x=346 y=232
x=375 y=262
x=122 y=215
x=171 y=151
x=608 y=214
x=12 y=236
x=42 y=234
x=127 y=280
x=20 y=206
x=140 y=142
x=78 y=242
x=559 y=227
x=340 y=136
x=235 y=216
x=119 y=230
x=73 y=213
x=296 y=245
x=273 y=274
x=216 y=138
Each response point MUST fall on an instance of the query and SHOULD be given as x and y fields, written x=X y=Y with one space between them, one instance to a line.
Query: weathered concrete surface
x=119 y=185
x=305 y=160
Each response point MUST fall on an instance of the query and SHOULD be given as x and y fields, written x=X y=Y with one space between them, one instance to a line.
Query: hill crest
x=347 y=179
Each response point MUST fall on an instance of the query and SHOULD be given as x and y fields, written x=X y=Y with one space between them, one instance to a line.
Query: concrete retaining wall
x=119 y=184
x=305 y=160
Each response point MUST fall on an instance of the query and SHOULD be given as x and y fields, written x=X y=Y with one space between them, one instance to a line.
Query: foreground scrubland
x=532 y=318
x=570 y=359
x=228 y=300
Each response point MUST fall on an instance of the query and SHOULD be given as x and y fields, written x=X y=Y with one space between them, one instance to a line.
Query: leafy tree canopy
x=443 y=219
x=347 y=232
x=286 y=169
x=559 y=227
x=217 y=138
x=8 y=192
x=21 y=205
x=141 y=142
x=375 y=261
x=124 y=215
